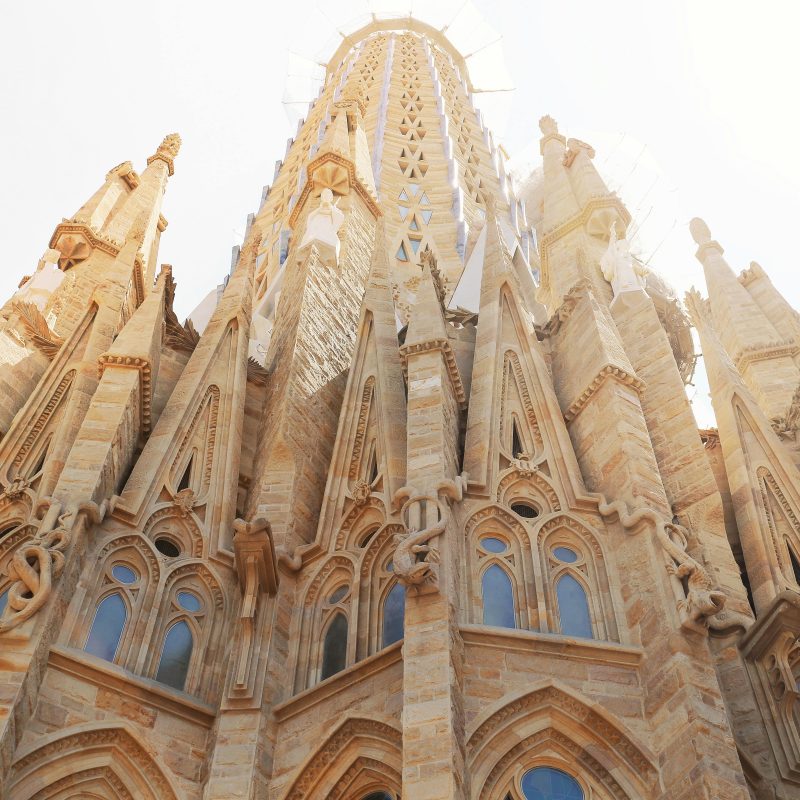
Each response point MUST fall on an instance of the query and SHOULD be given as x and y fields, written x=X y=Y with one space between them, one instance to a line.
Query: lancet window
x=577 y=592
x=501 y=572
x=334 y=647
x=113 y=607
x=394 y=606
x=326 y=629
x=184 y=633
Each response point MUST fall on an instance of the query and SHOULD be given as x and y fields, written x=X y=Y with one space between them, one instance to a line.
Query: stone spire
x=763 y=357
x=578 y=210
x=761 y=475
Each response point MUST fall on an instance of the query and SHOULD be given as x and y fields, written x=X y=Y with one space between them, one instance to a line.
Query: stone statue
x=619 y=267
x=47 y=278
x=323 y=223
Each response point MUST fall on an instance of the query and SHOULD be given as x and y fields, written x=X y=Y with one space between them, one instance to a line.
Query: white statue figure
x=323 y=223
x=620 y=268
x=47 y=278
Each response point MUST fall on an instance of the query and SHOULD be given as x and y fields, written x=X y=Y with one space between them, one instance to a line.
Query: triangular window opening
x=403 y=195
x=516 y=441
x=403 y=212
x=187 y=476
x=372 y=464
x=426 y=215
x=415 y=244
x=414 y=188
x=40 y=462
x=424 y=200
x=795 y=563
x=413 y=225
x=402 y=255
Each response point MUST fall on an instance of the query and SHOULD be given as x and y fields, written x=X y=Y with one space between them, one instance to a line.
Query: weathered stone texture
x=398 y=519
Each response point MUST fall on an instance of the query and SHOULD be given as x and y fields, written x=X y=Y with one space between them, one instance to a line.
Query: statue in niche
x=323 y=223
x=47 y=278
x=624 y=272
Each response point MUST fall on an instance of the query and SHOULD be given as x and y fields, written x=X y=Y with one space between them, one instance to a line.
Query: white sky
x=691 y=106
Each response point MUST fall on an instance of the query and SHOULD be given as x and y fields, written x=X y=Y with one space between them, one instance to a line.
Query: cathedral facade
x=416 y=505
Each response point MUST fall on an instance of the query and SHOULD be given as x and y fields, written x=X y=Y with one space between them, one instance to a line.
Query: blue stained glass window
x=334 y=648
x=394 y=608
x=573 y=608
x=189 y=601
x=175 y=656
x=338 y=595
x=498 y=598
x=546 y=783
x=565 y=554
x=124 y=574
x=3 y=602
x=107 y=627
x=493 y=545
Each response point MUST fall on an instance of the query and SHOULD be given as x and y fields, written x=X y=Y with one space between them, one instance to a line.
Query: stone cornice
x=607 y=372
x=166 y=158
x=443 y=345
x=783 y=613
x=552 y=644
x=95 y=240
x=353 y=180
x=145 y=380
x=578 y=221
x=142 y=691
x=762 y=352
x=340 y=682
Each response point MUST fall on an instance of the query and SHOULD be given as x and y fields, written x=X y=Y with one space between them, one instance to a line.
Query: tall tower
x=422 y=510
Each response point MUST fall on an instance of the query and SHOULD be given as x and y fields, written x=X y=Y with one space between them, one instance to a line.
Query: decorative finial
x=171 y=144
x=699 y=230
x=167 y=151
x=548 y=126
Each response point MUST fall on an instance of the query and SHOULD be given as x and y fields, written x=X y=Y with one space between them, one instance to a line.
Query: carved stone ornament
x=524 y=464
x=36 y=564
x=185 y=501
x=256 y=566
x=37 y=330
x=624 y=272
x=15 y=489
x=167 y=151
x=361 y=492
x=703 y=605
x=323 y=224
x=73 y=250
x=425 y=515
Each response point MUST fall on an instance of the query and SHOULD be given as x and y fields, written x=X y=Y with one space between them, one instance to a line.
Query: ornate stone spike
x=167 y=151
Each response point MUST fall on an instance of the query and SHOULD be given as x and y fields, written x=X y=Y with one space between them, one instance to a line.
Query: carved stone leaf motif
x=180 y=337
x=37 y=330
x=255 y=372
x=73 y=251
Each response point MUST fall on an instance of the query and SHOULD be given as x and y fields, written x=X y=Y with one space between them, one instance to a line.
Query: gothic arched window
x=578 y=592
x=3 y=601
x=573 y=608
x=334 y=648
x=378 y=796
x=176 y=656
x=498 y=597
x=107 y=627
x=394 y=607
x=548 y=783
